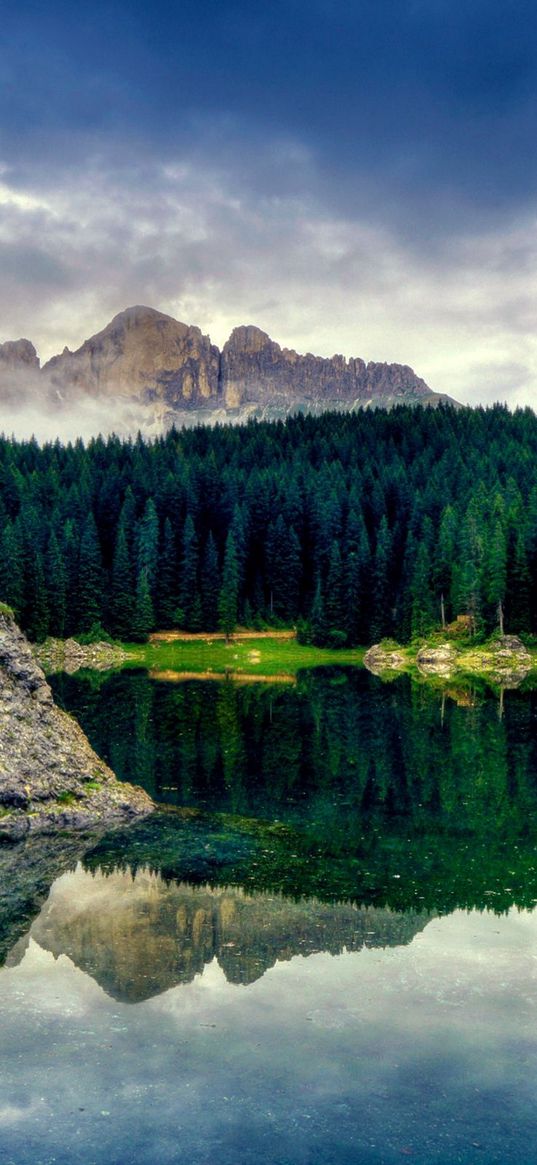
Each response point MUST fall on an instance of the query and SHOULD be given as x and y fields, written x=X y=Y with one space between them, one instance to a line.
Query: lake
x=322 y=950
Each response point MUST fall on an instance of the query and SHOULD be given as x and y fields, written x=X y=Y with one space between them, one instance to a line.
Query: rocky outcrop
x=49 y=775
x=174 y=374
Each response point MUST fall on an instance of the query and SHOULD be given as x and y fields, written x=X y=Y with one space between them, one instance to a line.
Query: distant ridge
x=174 y=374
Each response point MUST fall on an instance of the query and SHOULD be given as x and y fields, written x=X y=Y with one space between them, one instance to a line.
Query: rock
x=50 y=777
x=381 y=659
x=70 y=656
x=27 y=870
x=505 y=661
x=437 y=661
x=509 y=662
x=169 y=372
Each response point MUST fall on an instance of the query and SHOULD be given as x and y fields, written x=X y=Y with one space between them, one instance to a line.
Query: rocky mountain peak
x=18 y=353
x=248 y=338
x=174 y=374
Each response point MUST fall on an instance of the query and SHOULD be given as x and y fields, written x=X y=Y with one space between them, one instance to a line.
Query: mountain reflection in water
x=139 y=935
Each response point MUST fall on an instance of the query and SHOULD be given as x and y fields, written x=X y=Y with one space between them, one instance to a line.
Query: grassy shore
x=263 y=657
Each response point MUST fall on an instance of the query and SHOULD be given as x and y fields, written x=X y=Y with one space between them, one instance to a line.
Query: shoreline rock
x=50 y=777
x=379 y=659
x=437 y=661
x=70 y=656
x=504 y=661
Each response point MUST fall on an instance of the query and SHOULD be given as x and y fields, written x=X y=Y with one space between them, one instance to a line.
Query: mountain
x=169 y=372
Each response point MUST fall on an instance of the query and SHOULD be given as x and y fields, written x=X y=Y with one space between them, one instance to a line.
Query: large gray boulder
x=50 y=777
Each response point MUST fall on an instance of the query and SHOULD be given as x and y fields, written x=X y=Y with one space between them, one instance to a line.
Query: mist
x=47 y=419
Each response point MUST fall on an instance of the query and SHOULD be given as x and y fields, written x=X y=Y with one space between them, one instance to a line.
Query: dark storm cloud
x=426 y=95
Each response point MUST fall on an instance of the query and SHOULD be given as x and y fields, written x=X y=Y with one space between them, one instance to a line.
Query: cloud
x=359 y=178
x=208 y=243
x=31 y=412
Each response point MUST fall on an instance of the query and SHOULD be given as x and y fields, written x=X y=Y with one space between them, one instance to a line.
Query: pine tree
x=37 y=621
x=518 y=589
x=121 y=597
x=56 y=585
x=167 y=579
x=11 y=568
x=443 y=560
x=228 y=600
x=283 y=570
x=495 y=577
x=357 y=577
x=318 y=622
x=422 y=613
x=147 y=546
x=90 y=578
x=381 y=621
x=210 y=585
x=143 y=619
x=468 y=575
x=189 y=573
x=334 y=606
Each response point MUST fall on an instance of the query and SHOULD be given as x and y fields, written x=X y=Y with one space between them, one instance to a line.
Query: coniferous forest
x=352 y=527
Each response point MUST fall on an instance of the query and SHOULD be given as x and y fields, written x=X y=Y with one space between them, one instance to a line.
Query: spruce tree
x=11 y=568
x=167 y=579
x=210 y=584
x=189 y=573
x=122 y=588
x=381 y=621
x=228 y=600
x=56 y=585
x=90 y=578
x=143 y=618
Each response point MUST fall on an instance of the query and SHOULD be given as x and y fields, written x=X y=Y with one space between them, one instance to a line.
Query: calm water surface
x=322 y=950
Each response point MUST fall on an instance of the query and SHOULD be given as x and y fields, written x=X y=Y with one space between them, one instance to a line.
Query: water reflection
x=281 y=970
x=425 y=1049
x=338 y=743
x=138 y=935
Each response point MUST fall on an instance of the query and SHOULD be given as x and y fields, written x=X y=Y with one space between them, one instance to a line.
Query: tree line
x=352 y=527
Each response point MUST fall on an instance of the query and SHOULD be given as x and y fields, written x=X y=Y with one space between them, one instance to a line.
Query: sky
x=355 y=177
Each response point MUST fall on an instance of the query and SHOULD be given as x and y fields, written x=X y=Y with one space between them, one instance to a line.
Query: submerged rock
x=50 y=777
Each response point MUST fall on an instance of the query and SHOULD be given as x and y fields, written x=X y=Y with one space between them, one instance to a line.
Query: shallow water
x=327 y=954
